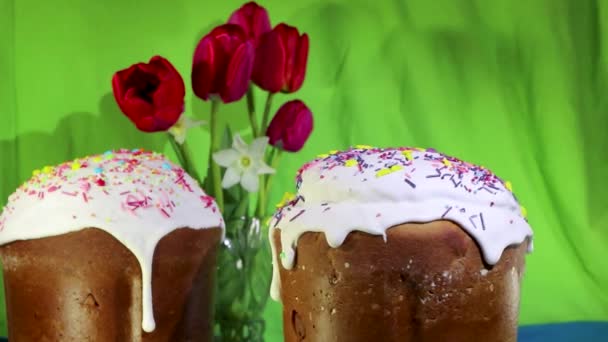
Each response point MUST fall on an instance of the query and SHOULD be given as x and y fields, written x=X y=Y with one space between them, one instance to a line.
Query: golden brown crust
x=86 y=286
x=428 y=282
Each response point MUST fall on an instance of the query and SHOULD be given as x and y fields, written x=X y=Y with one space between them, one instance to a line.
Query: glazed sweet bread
x=399 y=244
x=117 y=246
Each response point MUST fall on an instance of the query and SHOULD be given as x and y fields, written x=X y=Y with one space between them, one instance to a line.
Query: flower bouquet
x=229 y=62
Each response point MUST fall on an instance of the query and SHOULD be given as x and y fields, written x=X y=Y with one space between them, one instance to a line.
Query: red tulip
x=222 y=64
x=253 y=19
x=280 y=62
x=150 y=94
x=291 y=126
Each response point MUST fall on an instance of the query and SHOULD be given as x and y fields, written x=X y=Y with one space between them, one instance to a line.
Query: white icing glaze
x=136 y=196
x=370 y=190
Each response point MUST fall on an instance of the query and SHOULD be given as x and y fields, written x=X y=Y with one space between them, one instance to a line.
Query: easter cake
x=113 y=247
x=399 y=244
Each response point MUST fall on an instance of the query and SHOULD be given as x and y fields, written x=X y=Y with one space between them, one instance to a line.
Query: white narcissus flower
x=181 y=127
x=243 y=163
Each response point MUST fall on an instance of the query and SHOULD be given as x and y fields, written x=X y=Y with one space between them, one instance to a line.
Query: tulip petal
x=226 y=158
x=159 y=65
x=300 y=62
x=291 y=126
x=238 y=73
x=203 y=73
x=170 y=93
x=274 y=130
x=239 y=17
x=171 y=90
x=289 y=37
x=231 y=177
x=117 y=85
x=297 y=135
x=150 y=94
x=253 y=18
x=260 y=23
x=250 y=181
x=222 y=45
x=167 y=117
x=269 y=65
x=136 y=106
x=147 y=124
x=169 y=101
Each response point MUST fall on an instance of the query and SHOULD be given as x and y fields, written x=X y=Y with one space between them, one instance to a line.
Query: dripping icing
x=121 y=192
x=372 y=189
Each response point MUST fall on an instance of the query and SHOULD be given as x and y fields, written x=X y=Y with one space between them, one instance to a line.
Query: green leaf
x=226 y=142
x=208 y=183
x=230 y=283
x=226 y=138
x=243 y=286
x=260 y=273
x=232 y=199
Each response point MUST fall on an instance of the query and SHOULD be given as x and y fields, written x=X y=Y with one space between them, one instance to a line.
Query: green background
x=517 y=86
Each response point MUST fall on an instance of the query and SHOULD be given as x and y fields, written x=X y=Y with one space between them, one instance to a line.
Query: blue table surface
x=565 y=332
x=558 y=332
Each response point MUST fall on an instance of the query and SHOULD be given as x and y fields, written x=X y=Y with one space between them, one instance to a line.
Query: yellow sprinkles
x=93 y=177
x=524 y=212
x=287 y=197
x=387 y=171
x=413 y=168
x=325 y=155
x=351 y=162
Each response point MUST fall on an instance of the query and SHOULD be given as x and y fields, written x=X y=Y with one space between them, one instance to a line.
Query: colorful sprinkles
x=135 y=195
x=446 y=167
x=385 y=162
x=371 y=189
x=150 y=175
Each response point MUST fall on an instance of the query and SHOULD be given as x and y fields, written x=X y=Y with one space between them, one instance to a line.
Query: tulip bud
x=222 y=64
x=253 y=19
x=150 y=94
x=280 y=60
x=291 y=126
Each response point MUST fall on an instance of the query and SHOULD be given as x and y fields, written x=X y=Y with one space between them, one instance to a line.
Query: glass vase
x=243 y=280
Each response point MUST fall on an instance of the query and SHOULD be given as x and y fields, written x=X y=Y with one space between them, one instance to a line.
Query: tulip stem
x=214 y=167
x=266 y=113
x=274 y=163
x=265 y=181
x=251 y=110
x=184 y=158
x=243 y=205
x=262 y=198
x=178 y=152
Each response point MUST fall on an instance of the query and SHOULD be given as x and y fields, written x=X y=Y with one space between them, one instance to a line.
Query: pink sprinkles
x=101 y=174
x=453 y=172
